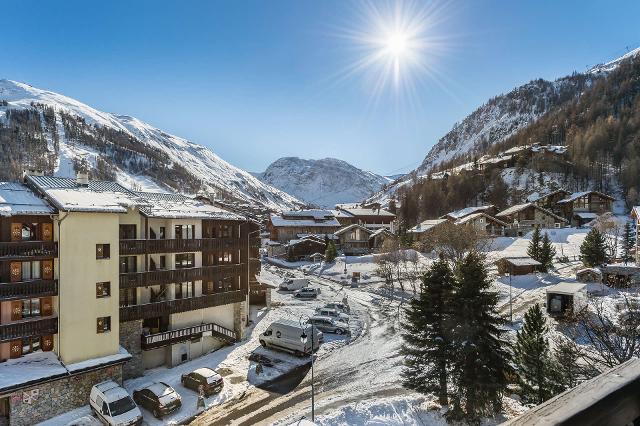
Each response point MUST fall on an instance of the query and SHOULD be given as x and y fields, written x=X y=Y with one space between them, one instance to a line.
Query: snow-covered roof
x=341 y=213
x=369 y=211
x=581 y=194
x=586 y=215
x=316 y=214
x=426 y=225
x=474 y=216
x=353 y=226
x=381 y=231
x=618 y=269
x=458 y=214
x=177 y=206
x=519 y=207
x=97 y=196
x=537 y=197
x=17 y=199
x=520 y=261
x=299 y=220
x=566 y=288
x=305 y=240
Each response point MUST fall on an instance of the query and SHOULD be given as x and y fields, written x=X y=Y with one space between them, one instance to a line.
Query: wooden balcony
x=134 y=247
x=28 y=328
x=158 y=309
x=28 y=250
x=166 y=338
x=169 y=276
x=26 y=289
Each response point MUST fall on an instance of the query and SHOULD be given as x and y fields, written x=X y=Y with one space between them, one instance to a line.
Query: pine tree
x=427 y=341
x=569 y=371
x=628 y=242
x=533 y=251
x=532 y=357
x=546 y=254
x=594 y=248
x=482 y=361
x=330 y=252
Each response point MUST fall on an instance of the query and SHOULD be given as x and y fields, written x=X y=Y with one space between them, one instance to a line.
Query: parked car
x=307 y=293
x=210 y=381
x=329 y=325
x=291 y=284
x=113 y=405
x=338 y=306
x=285 y=335
x=333 y=313
x=159 y=398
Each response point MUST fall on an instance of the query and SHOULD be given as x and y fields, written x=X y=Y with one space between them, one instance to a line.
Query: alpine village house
x=99 y=282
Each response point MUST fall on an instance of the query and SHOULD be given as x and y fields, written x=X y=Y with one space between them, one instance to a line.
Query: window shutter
x=16 y=310
x=47 y=232
x=47 y=343
x=15 y=270
x=46 y=307
x=47 y=269
x=15 y=348
x=16 y=232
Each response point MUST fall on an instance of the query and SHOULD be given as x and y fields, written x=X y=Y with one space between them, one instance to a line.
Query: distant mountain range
x=59 y=134
x=322 y=183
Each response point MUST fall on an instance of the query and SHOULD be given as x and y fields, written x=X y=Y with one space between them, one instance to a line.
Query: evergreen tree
x=427 y=341
x=330 y=252
x=533 y=251
x=628 y=242
x=569 y=370
x=482 y=361
x=594 y=248
x=532 y=357
x=547 y=253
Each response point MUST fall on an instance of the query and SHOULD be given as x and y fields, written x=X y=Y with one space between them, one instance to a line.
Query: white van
x=113 y=405
x=292 y=284
x=285 y=335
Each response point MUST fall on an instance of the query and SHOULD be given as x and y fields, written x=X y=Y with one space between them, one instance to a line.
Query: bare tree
x=611 y=230
x=456 y=241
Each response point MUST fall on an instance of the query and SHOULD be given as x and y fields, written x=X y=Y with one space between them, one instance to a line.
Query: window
x=103 y=289
x=162 y=233
x=225 y=257
x=30 y=308
x=185 y=232
x=163 y=262
x=30 y=344
x=226 y=231
x=29 y=231
x=185 y=260
x=185 y=290
x=128 y=264
x=103 y=325
x=31 y=270
x=127 y=232
x=103 y=251
x=209 y=287
x=128 y=297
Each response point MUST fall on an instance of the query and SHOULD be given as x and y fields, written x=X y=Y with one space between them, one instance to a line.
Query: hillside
x=49 y=131
x=324 y=182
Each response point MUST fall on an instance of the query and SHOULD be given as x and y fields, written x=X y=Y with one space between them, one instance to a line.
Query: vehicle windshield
x=121 y=406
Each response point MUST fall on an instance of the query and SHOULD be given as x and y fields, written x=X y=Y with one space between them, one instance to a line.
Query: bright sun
x=396 y=44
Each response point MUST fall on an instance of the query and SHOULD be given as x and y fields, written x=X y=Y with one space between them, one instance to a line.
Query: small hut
x=566 y=298
x=517 y=265
x=620 y=276
x=589 y=275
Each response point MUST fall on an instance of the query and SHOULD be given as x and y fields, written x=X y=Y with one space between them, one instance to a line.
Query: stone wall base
x=46 y=400
x=130 y=333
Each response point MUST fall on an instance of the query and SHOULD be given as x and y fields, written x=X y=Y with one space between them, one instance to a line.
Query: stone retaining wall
x=130 y=333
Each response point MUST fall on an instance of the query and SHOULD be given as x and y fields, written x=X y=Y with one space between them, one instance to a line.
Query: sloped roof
x=278 y=220
x=368 y=211
x=18 y=199
x=458 y=214
x=315 y=214
x=519 y=207
x=177 y=206
x=353 y=226
x=382 y=231
x=577 y=195
x=520 y=261
x=426 y=225
x=566 y=288
x=477 y=215
x=543 y=196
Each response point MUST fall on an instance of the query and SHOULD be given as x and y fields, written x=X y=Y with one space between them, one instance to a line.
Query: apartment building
x=98 y=282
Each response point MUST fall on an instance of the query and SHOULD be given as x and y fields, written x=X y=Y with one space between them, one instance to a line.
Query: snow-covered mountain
x=127 y=147
x=324 y=182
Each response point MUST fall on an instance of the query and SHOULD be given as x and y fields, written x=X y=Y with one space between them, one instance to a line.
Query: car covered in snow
x=329 y=325
x=159 y=398
x=333 y=313
x=307 y=293
x=205 y=378
x=113 y=405
x=338 y=306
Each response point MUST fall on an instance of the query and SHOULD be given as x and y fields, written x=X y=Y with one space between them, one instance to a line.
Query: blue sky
x=258 y=80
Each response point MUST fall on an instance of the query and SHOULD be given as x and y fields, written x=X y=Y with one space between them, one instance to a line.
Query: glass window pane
x=26 y=271
x=35 y=269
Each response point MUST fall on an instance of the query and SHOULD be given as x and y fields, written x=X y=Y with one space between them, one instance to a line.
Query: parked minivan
x=333 y=313
x=285 y=335
x=113 y=405
x=291 y=284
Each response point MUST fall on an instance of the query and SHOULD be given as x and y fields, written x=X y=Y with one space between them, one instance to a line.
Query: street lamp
x=303 y=339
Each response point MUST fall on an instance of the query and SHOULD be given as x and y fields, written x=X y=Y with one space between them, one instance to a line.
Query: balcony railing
x=133 y=247
x=144 y=279
x=24 y=289
x=158 y=309
x=28 y=249
x=166 y=338
x=28 y=328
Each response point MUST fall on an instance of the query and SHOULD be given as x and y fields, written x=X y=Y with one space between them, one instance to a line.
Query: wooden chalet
x=292 y=225
x=580 y=208
x=549 y=201
x=377 y=239
x=303 y=248
x=467 y=211
x=371 y=216
x=522 y=218
x=517 y=265
x=489 y=225
x=354 y=239
x=421 y=231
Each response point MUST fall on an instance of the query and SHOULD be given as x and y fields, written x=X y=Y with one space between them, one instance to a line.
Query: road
x=347 y=374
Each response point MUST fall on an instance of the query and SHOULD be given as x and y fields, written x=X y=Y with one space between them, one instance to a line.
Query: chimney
x=82 y=179
x=31 y=172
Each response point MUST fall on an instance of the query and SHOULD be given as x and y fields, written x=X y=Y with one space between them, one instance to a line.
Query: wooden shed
x=566 y=298
x=589 y=275
x=620 y=276
x=517 y=265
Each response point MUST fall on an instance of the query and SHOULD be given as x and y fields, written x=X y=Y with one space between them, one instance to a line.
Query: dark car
x=210 y=381
x=307 y=293
x=159 y=398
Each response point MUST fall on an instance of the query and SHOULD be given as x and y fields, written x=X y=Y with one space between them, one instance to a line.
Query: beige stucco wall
x=78 y=272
